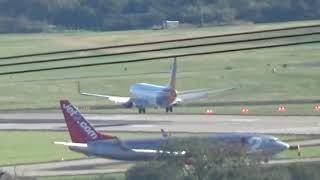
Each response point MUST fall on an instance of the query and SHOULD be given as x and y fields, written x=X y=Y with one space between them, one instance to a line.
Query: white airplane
x=144 y=95
x=87 y=140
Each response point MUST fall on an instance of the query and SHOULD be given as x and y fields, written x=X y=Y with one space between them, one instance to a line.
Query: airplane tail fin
x=80 y=130
x=172 y=83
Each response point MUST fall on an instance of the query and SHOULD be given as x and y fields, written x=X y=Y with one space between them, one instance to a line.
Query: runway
x=169 y=122
x=93 y=166
x=150 y=123
x=67 y=168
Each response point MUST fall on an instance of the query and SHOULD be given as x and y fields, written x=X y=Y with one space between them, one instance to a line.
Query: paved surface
x=311 y=142
x=290 y=161
x=170 y=122
x=64 y=168
x=91 y=166
x=150 y=123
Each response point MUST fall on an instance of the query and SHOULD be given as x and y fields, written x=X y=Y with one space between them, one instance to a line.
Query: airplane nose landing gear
x=169 y=109
x=142 y=110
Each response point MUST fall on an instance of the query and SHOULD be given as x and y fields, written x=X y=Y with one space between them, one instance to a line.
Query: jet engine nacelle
x=128 y=104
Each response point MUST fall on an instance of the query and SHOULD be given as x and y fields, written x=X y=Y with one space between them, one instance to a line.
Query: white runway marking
x=142 y=126
x=174 y=123
x=244 y=120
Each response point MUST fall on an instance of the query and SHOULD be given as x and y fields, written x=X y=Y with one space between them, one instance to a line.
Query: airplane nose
x=283 y=145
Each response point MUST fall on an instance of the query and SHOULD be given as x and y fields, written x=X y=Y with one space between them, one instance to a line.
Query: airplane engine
x=189 y=159
x=128 y=104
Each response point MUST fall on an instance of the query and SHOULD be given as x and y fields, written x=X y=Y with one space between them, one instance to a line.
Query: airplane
x=144 y=95
x=85 y=139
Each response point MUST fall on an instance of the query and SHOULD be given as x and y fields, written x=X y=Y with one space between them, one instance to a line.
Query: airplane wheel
x=142 y=110
x=169 y=109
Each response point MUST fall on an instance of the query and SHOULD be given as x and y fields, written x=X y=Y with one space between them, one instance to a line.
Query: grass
x=30 y=147
x=306 y=152
x=251 y=71
x=19 y=147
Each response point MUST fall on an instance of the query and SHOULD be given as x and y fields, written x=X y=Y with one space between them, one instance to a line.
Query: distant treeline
x=41 y=15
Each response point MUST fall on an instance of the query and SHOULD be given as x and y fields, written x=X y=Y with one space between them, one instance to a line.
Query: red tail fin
x=79 y=128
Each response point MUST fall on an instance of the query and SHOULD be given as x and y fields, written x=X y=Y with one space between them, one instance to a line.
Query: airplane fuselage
x=86 y=140
x=150 y=95
x=266 y=146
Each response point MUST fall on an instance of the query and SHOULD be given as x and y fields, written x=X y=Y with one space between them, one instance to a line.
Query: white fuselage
x=264 y=146
x=146 y=95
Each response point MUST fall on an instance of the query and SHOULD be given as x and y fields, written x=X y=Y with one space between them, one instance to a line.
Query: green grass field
x=20 y=147
x=306 y=152
x=251 y=71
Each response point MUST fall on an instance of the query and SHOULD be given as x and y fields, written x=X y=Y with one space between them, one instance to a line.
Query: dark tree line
x=37 y=15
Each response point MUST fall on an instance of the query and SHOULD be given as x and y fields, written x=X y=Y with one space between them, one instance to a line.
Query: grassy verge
x=306 y=152
x=251 y=70
x=19 y=147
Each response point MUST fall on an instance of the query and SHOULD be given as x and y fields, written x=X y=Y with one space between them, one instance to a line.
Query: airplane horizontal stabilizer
x=159 y=152
x=71 y=144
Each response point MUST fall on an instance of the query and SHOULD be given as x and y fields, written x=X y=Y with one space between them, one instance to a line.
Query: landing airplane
x=144 y=95
x=86 y=140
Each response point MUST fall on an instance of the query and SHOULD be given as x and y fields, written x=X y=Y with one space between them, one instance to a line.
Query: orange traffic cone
x=282 y=109
x=245 y=111
x=209 y=112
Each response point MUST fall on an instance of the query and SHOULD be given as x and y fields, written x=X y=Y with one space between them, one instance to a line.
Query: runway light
x=282 y=109
x=245 y=111
x=209 y=112
x=317 y=108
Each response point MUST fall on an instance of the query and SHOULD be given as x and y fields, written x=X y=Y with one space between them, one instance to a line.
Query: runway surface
x=169 y=122
x=67 y=168
x=150 y=123
x=92 y=166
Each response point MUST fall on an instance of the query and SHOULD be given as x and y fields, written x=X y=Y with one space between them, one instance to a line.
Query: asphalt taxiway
x=67 y=168
x=169 y=122
x=149 y=123
x=92 y=166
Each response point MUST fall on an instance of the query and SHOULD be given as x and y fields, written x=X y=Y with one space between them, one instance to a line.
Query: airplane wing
x=115 y=99
x=71 y=144
x=198 y=94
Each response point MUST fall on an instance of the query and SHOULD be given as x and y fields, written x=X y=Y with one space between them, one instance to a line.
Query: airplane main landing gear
x=169 y=109
x=142 y=110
